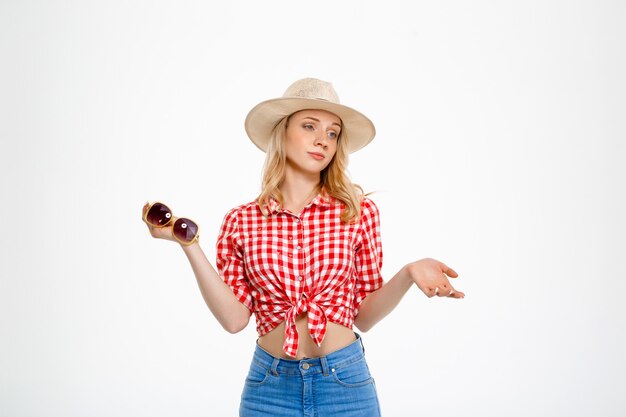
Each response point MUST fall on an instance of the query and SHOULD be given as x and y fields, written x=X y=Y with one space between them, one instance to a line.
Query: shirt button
x=298 y=247
x=305 y=366
x=290 y=238
x=299 y=277
x=297 y=220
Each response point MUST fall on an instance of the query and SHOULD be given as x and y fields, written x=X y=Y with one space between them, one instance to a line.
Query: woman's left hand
x=431 y=276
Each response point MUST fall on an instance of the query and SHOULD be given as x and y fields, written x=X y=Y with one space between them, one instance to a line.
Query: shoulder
x=242 y=211
x=369 y=216
x=249 y=207
x=368 y=207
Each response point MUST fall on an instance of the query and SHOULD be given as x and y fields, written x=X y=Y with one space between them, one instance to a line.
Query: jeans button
x=305 y=366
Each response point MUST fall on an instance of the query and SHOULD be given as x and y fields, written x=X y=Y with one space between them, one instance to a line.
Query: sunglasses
x=184 y=230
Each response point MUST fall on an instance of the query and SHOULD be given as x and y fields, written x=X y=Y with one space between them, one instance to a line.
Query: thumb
x=448 y=271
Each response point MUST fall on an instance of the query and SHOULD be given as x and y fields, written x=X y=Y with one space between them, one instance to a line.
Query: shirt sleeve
x=230 y=263
x=369 y=255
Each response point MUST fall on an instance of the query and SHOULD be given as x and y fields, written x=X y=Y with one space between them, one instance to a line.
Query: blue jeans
x=338 y=384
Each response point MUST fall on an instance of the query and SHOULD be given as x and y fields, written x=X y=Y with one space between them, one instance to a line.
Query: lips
x=316 y=155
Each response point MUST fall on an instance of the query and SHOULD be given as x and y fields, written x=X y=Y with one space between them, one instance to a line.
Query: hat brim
x=263 y=118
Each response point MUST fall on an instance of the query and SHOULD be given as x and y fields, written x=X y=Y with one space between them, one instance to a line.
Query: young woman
x=305 y=258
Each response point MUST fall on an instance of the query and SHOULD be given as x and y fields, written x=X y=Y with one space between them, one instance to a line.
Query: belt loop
x=361 y=342
x=324 y=364
x=274 y=367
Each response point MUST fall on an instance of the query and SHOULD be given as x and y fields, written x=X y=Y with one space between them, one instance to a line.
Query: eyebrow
x=318 y=120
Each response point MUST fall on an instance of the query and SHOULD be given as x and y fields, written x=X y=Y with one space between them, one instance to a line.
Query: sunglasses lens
x=159 y=214
x=185 y=230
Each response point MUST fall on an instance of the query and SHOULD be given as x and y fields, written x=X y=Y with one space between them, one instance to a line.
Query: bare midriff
x=337 y=337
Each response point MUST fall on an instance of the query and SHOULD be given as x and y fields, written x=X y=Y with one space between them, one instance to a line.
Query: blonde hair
x=333 y=179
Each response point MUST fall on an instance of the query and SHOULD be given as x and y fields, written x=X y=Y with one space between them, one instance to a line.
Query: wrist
x=190 y=247
x=405 y=275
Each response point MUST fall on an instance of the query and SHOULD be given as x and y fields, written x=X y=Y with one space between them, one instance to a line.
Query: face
x=311 y=140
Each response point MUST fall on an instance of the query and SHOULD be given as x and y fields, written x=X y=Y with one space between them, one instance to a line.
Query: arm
x=231 y=314
x=228 y=309
x=429 y=275
x=382 y=301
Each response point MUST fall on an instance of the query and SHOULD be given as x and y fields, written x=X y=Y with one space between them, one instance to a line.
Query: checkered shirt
x=283 y=265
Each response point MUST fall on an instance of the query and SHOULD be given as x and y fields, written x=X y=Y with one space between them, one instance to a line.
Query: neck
x=298 y=190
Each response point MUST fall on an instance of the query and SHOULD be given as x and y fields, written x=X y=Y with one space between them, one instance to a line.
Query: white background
x=499 y=151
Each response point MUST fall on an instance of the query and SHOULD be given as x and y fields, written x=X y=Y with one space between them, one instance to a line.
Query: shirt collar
x=322 y=200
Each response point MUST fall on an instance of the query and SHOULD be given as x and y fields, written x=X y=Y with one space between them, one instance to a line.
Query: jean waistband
x=323 y=364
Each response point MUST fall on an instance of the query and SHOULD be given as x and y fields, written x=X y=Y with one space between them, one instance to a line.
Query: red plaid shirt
x=283 y=265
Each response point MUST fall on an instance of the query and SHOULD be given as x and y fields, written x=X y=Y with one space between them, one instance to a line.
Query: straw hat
x=308 y=94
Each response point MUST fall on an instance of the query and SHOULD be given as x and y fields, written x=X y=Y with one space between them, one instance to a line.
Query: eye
x=309 y=126
x=332 y=135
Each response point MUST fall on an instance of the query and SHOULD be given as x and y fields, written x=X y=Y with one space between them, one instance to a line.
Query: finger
x=442 y=291
x=445 y=290
x=430 y=292
x=456 y=294
x=451 y=273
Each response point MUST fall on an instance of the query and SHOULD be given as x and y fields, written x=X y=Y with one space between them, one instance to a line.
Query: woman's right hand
x=157 y=232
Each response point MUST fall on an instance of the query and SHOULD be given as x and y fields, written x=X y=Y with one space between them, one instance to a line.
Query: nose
x=321 y=139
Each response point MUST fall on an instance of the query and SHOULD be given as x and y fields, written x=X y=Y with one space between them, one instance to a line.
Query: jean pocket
x=356 y=374
x=257 y=375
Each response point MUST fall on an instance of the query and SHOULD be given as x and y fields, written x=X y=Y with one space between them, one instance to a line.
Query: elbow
x=364 y=329
x=362 y=325
x=236 y=325
x=233 y=328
